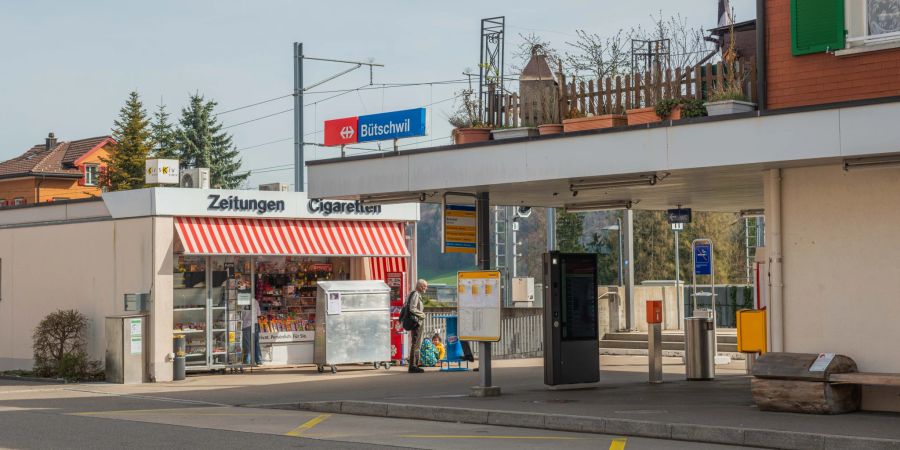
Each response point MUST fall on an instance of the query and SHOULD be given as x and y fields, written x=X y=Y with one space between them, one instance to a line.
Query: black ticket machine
x=571 y=344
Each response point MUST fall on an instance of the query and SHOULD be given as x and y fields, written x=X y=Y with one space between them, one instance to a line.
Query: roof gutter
x=36 y=175
x=761 y=54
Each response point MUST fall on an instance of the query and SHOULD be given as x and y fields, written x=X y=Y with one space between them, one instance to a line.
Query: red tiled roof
x=56 y=161
x=77 y=149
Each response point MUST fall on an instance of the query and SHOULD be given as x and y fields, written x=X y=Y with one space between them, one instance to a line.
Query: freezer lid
x=358 y=286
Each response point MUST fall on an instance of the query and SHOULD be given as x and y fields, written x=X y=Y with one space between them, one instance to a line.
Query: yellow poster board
x=478 y=305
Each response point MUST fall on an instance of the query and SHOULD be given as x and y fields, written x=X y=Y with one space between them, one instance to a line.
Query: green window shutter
x=816 y=26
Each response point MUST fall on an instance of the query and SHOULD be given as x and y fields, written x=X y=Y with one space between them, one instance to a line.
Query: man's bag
x=408 y=321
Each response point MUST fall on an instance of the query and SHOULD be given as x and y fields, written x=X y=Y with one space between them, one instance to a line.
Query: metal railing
x=521 y=328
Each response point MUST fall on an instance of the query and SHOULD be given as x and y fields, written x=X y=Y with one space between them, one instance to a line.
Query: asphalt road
x=34 y=416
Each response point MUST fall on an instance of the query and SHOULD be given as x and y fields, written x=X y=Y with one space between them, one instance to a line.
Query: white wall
x=161 y=293
x=841 y=247
x=83 y=266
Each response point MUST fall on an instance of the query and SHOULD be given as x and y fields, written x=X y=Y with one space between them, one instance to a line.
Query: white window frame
x=18 y=201
x=93 y=180
x=857 y=25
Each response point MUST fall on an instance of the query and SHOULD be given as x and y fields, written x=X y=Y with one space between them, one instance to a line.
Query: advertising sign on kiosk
x=395 y=281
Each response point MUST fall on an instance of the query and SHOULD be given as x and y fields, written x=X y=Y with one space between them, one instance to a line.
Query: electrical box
x=137 y=302
x=654 y=311
x=196 y=178
x=751 y=331
x=127 y=342
x=571 y=332
x=523 y=291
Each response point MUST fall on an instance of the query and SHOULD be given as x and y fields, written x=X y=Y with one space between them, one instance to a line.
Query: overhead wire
x=254 y=104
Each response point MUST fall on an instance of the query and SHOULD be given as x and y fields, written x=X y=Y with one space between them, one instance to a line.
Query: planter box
x=550 y=128
x=594 y=122
x=648 y=115
x=728 y=107
x=511 y=133
x=469 y=135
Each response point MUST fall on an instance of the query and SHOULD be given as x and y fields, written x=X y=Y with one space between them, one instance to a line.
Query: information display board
x=459 y=229
x=478 y=303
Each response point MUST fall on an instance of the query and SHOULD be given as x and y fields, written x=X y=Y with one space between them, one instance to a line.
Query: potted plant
x=550 y=128
x=578 y=121
x=467 y=125
x=692 y=107
x=728 y=97
x=550 y=103
x=513 y=132
x=662 y=110
x=728 y=100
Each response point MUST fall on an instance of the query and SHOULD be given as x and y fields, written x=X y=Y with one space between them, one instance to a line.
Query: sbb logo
x=341 y=131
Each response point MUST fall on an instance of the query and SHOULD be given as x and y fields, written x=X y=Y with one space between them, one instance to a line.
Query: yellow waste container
x=751 y=331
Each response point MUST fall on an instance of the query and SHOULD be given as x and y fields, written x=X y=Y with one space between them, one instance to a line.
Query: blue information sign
x=391 y=125
x=703 y=259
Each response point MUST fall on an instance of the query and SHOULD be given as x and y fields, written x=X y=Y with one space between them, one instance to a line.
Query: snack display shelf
x=188 y=331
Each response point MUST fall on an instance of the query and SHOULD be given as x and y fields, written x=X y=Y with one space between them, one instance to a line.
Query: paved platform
x=719 y=411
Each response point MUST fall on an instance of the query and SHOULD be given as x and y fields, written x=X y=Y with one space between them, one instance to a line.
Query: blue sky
x=67 y=66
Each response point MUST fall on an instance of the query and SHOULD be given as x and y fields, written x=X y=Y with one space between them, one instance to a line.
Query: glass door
x=190 y=315
x=230 y=288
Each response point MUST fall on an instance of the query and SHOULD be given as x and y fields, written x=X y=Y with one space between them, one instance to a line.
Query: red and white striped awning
x=381 y=266
x=235 y=236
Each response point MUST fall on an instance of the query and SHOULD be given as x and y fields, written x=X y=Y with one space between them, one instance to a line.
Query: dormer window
x=91 y=174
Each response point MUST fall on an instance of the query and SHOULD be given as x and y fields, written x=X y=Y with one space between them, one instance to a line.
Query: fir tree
x=200 y=142
x=125 y=164
x=162 y=135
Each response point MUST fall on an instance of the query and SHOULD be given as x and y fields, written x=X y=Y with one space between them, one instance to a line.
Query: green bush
x=60 y=344
x=692 y=107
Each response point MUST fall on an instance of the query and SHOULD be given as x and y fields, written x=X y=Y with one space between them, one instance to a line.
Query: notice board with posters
x=478 y=305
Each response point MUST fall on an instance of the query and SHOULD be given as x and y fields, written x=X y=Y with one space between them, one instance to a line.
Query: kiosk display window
x=190 y=307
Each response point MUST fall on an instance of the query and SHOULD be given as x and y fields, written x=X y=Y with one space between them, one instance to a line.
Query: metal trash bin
x=178 y=364
x=699 y=348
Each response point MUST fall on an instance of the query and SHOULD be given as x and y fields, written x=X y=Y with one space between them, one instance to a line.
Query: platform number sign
x=703 y=258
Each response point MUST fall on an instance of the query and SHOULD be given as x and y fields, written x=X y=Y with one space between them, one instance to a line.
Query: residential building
x=55 y=171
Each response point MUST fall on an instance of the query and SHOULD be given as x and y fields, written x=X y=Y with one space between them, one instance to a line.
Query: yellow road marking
x=308 y=425
x=456 y=436
x=618 y=444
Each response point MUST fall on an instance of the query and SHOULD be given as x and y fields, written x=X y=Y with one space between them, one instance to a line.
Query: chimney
x=51 y=141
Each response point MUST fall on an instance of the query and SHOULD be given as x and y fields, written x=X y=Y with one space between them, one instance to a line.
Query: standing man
x=417 y=309
x=250 y=324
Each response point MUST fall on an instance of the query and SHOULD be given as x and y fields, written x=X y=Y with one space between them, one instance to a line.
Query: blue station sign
x=392 y=125
x=375 y=127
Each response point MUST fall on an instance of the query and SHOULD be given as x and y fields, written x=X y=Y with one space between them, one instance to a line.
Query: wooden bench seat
x=866 y=378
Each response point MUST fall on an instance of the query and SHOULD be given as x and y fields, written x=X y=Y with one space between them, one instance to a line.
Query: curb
x=34 y=379
x=789 y=440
